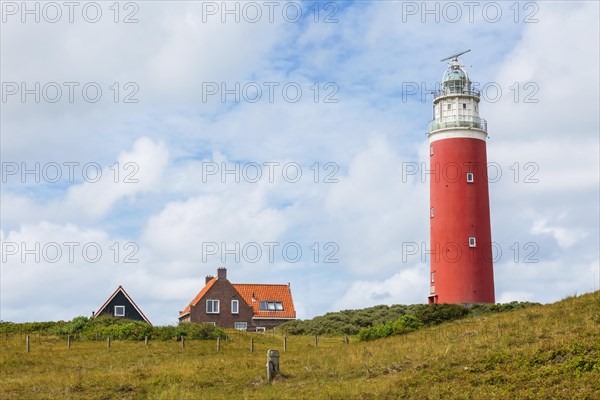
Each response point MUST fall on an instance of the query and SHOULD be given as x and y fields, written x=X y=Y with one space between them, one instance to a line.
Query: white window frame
x=260 y=329
x=237 y=306
x=470 y=177
x=213 y=302
x=240 y=326
x=472 y=241
x=120 y=308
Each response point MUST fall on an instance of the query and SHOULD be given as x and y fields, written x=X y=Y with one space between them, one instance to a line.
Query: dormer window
x=271 y=306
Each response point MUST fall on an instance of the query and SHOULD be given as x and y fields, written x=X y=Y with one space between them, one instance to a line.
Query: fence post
x=68 y=342
x=146 y=341
x=108 y=342
x=27 y=343
x=346 y=339
x=182 y=342
x=219 y=343
x=272 y=364
x=251 y=345
x=285 y=343
x=316 y=341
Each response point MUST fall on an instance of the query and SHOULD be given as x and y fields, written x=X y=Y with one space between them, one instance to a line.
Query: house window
x=271 y=306
x=210 y=323
x=470 y=178
x=235 y=306
x=472 y=241
x=212 y=306
x=432 y=277
x=240 y=326
x=260 y=329
x=119 y=311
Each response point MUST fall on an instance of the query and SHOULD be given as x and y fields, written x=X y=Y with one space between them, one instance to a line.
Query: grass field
x=542 y=352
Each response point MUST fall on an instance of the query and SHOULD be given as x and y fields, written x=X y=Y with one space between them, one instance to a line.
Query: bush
x=115 y=328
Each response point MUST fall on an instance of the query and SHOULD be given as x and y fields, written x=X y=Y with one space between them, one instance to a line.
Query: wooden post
x=251 y=345
x=146 y=341
x=346 y=339
x=108 y=342
x=27 y=343
x=182 y=342
x=316 y=341
x=285 y=343
x=68 y=342
x=219 y=344
x=272 y=364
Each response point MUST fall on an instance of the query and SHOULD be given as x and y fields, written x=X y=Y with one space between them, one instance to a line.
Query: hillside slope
x=541 y=352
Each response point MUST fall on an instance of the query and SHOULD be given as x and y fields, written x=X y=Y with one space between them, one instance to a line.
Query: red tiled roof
x=256 y=292
x=265 y=292
x=198 y=297
x=120 y=288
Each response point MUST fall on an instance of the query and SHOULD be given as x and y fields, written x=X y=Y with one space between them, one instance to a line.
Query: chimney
x=93 y=313
x=222 y=273
x=208 y=278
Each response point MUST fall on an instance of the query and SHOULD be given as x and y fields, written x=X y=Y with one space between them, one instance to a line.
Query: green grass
x=541 y=352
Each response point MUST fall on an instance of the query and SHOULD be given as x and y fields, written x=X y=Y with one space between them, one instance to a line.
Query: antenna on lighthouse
x=454 y=57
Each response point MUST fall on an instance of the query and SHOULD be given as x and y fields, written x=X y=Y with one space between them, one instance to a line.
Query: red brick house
x=251 y=307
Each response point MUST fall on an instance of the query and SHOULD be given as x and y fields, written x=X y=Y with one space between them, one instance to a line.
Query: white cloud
x=565 y=237
x=369 y=133
x=507 y=297
x=401 y=288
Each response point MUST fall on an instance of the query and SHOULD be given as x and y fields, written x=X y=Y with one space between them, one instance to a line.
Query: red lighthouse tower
x=461 y=243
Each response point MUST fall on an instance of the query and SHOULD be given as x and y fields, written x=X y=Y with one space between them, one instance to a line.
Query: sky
x=148 y=143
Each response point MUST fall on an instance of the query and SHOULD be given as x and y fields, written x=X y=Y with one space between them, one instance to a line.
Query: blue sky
x=543 y=129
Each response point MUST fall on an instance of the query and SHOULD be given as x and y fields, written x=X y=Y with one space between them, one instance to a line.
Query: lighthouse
x=461 y=267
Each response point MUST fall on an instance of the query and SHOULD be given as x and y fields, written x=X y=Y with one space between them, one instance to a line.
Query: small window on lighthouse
x=470 y=177
x=431 y=150
x=472 y=241
x=449 y=106
x=431 y=211
x=432 y=277
x=464 y=106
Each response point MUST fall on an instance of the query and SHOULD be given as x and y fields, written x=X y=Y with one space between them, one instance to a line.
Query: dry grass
x=542 y=352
